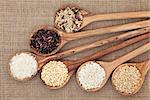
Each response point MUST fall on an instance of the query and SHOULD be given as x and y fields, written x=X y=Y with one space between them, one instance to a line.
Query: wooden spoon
x=143 y=67
x=73 y=65
x=65 y=37
x=75 y=50
x=87 y=19
x=110 y=66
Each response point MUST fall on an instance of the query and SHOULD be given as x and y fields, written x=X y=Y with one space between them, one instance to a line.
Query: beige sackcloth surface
x=19 y=17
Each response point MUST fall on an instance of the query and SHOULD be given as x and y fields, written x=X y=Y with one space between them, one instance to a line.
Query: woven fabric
x=19 y=17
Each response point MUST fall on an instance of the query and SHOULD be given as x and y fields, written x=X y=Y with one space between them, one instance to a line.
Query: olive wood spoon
x=73 y=65
x=93 y=45
x=96 y=44
x=87 y=19
x=130 y=34
x=114 y=16
x=110 y=66
x=143 y=67
x=65 y=37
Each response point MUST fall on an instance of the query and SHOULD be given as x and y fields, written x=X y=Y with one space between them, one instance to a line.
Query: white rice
x=23 y=65
x=91 y=75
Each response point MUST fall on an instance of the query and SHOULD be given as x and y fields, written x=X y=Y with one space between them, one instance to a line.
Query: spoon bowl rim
x=93 y=89
x=139 y=85
x=62 y=41
x=70 y=6
x=26 y=78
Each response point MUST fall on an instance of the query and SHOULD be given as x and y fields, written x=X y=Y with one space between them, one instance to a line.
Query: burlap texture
x=19 y=17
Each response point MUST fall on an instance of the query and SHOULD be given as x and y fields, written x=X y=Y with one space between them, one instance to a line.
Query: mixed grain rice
x=69 y=19
x=126 y=79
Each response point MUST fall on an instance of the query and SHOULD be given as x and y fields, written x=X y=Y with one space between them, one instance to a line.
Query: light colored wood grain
x=98 y=43
x=114 y=16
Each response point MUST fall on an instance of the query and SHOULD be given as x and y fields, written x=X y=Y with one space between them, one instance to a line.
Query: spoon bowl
x=47 y=27
x=62 y=85
x=143 y=67
x=92 y=89
x=26 y=78
x=83 y=12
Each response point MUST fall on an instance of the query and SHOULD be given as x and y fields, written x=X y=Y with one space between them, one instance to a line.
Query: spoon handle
x=116 y=28
x=145 y=68
x=109 y=50
x=114 y=16
x=129 y=56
